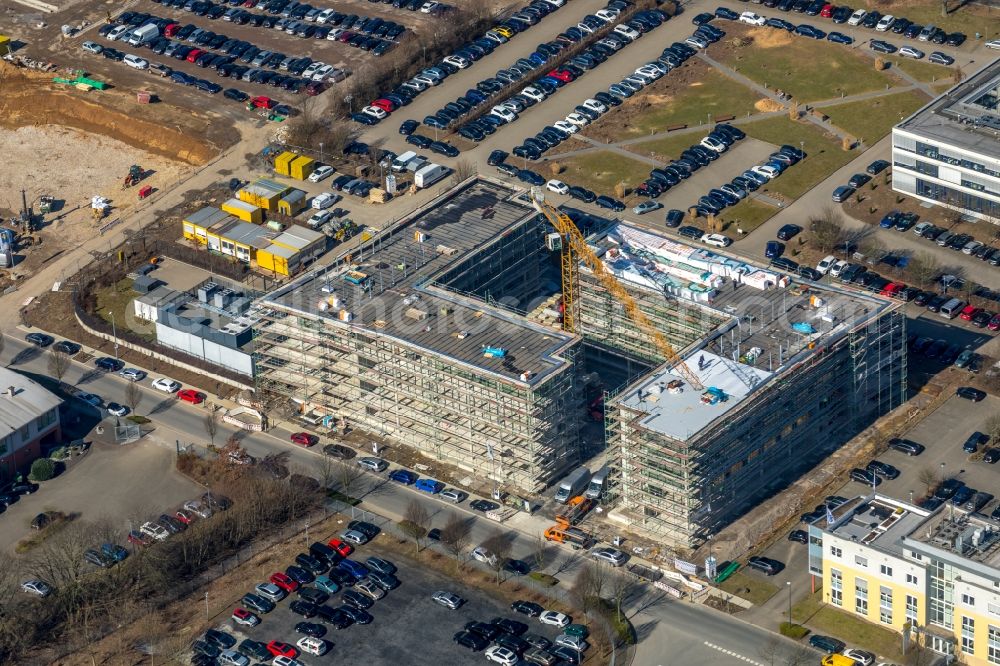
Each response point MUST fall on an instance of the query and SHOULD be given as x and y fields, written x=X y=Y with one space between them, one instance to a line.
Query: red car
x=827 y=11
x=344 y=549
x=245 y=617
x=137 y=539
x=346 y=37
x=304 y=439
x=994 y=324
x=386 y=105
x=284 y=582
x=171 y=29
x=184 y=517
x=192 y=396
x=969 y=311
x=191 y=57
x=262 y=102
x=892 y=289
x=561 y=74
x=279 y=649
x=314 y=88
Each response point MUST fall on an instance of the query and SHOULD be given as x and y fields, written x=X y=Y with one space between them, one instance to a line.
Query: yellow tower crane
x=574 y=249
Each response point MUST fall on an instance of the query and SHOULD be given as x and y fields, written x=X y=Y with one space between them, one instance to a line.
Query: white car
x=320 y=74
x=578 y=119
x=825 y=264
x=319 y=218
x=355 y=537
x=993 y=44
x=247 y=619
x=862 y=657
x=312 y=69
x=457 y=61
x=135 y=62
x=716 y=240
x=572 y=642
x=751 y=18
x=374 y=112
x=910 y=52
x=884 y=23
x=696 y=42
x=857 y=17
x=334 y=34
x=649 y=72
x=166 y=385
x=233 y=658
x=584 y=28
x=557 y=186
x=768 y=172
x=37 y=587
x=310 y=645
x=448 y=600
x=647 y=207
x=453 y=494
x=155 y=531
x=286 y=661
x=92 y=47
x=713 y=144
x=607 y=15
x=504 y=113
x=322 y=201
x=838 y=268
x=566 y=126
x=554 y=618
x=501 y=655
x=270 y=591
x=120 y=32
x=133 y=374
x=416 y=84
x=117 y=410
x=556 y=3
x=480 y=554
x=628 y=33
x=321 y=172
x=198 y=509
x=325 y=15
x=533 y=93
x=594 y=105
x=427 y=79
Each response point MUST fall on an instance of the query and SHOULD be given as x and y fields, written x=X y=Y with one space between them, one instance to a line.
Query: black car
x=483 y=505
x=443 y=148
x=419 y=140
x=518 y=567
x=39 y=339
x=299 y=575
x=368 y=529
x=484 y=629
x=471 y=640
x=257 y=603
x=496 y=157
x=510 y=627
x=205 y=648
x=530 y=177
x=826 y=643
x=604 y=201
x=799 y=536
x=529 y=608
x=865 y=476
x=254 y=650
x=335 y=617
x=582 y=193
x=991 y=455
x=882 y=469
x=788 y=232
x=313 y=629
x=969 y=393
x=356 y=615
x=220 y=638
x=304 y=608
x=765 y=565
x=109 y=364
x=358 y=600
x=67 y=347
x=235 y=95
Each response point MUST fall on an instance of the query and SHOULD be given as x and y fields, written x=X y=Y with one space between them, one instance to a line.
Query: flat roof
x=965 y=534
x=396 y=297
x=208 y=216
x=242 y=205
x=246 y=233
x=297 y=237
x=967 y=116
x=682 y=412
x=877 y=521
x=30 y=400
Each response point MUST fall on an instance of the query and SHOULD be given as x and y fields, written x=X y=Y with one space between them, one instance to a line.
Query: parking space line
x=734 y=655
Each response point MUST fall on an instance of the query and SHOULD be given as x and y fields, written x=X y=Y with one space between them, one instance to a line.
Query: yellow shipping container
x=4 y=45
x=282 y=162
x=244 y=211
x=276 y=259
x=301 y=167
x=264 y=193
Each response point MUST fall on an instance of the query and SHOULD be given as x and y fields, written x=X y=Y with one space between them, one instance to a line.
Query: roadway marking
x=732 y=654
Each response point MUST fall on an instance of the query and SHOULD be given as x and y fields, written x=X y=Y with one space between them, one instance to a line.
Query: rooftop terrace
x=385 y=287
x=880 y=522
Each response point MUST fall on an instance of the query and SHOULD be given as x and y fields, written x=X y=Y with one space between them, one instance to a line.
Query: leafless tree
x=540 y=552
x=570 y=562
x=415 y=523
x=827 y=228
x=211 y=423
x=133 y=395
x=348 y=475
x=58 y=363
x=455 y=534
x=620 y=586
x=923 y=268
x=589 y=584
x=464 y=169
x=928 y=477
x=992 y=427
x=499 y=545
x=3 y=343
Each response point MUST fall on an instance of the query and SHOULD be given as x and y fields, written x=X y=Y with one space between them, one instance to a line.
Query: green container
x=98 y=85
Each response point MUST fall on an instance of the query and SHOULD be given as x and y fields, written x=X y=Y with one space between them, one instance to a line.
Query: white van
x=951 y=309
x=399 y=164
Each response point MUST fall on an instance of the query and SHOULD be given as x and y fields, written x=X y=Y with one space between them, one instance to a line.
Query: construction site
x=478 y=330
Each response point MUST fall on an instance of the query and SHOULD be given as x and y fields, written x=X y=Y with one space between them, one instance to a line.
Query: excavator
x=135 y=174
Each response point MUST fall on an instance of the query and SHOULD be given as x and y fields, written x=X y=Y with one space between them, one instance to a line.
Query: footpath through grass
x=824 y=154
x=872 y=119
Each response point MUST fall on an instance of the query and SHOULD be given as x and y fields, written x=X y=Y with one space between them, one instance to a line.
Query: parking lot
x=406 y=611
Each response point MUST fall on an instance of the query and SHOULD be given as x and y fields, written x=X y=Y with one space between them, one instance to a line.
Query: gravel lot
x=407 y=622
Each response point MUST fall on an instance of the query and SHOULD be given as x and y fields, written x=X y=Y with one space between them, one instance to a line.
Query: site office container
x=282 y=162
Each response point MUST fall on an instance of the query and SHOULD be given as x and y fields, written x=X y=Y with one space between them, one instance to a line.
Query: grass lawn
x=601 y=171
x=823 y=153
x=829 y=620
x=117 y=299
x=715 y=94
x=753 y=589
x=872 y=119
x=668 y=148
x=808 y=69
x=921 y=70
x=747 y=215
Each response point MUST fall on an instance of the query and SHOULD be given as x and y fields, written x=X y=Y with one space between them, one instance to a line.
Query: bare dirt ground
x=73 y=166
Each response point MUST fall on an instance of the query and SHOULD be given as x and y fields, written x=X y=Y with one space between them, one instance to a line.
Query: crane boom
x=574 y=249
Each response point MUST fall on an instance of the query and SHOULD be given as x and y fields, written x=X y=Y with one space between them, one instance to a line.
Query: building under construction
x=442 y=334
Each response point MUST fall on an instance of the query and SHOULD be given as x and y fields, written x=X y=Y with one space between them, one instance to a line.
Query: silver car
x=448 y=600
x=454 y=495
x=373 y=464
x=612 y=556
x=133 y=374
x=270 y=591
x=355 y=537
x=369 y=588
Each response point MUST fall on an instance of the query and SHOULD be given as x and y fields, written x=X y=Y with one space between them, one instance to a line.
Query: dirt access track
x=31 y=98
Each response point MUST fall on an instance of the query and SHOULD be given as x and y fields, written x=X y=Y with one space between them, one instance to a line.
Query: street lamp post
x=320 y=151
x=114 y=331
x=788 y=584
